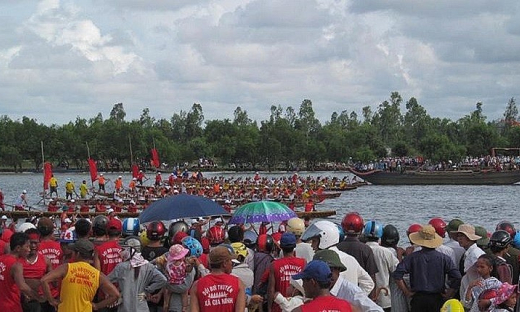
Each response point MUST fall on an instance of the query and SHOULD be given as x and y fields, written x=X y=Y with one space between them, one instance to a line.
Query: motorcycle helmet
x=352 y=223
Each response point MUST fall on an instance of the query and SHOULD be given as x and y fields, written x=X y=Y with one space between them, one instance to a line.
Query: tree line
x=288 y=139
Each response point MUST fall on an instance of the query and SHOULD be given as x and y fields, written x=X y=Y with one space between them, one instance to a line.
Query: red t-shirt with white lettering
x=9 y=292
x=217 y=292
x=109 y=254
x=284 y=268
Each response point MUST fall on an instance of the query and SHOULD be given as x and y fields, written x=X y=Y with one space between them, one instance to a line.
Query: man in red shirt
x=48 y=246
x=219 y=290
x=282 y=269
x=316 y=282
x=34 y=268
x=11 y=275
x=108 y=254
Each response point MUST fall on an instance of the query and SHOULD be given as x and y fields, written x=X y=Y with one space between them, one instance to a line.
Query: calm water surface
x=398 y=205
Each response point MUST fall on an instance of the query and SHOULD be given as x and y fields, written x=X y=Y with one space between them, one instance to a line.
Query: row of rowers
x=369 y=264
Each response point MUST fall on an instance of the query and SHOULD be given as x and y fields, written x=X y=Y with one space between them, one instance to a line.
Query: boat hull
x=463 y=177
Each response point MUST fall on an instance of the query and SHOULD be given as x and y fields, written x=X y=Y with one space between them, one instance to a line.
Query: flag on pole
x=135 y=170
x=93 y=169
x=47 y=173
x=155 y=158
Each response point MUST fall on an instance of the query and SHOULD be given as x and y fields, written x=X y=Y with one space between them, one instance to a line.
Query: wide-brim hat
x=426 y=237
x=177 y=252
x=468 y=230
x=504 y=292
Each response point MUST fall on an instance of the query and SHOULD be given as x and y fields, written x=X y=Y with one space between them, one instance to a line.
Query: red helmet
x=508 y=227
x=265 y=243
x=216 y=235
x=413 y=228
x=155 y=230
x=352 y=223
x=439 y=225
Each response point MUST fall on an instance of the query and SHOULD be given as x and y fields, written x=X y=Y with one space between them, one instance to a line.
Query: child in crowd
x=290 y=303
x=505 y=300
x=485 y=265
x=176 y=271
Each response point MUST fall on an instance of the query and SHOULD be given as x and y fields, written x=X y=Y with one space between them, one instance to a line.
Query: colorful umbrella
x=181 y=206
x=262 y=211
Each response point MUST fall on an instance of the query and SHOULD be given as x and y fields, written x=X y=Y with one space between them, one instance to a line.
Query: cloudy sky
x=62 y=59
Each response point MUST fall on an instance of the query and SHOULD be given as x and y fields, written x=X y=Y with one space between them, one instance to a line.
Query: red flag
x=135 y=170
x=47 y=173
x=93 y=169
x=155 y=158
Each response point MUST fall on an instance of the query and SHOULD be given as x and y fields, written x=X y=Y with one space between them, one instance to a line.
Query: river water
x=397 y=205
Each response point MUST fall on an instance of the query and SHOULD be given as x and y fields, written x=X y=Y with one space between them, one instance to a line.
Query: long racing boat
x=448 y=177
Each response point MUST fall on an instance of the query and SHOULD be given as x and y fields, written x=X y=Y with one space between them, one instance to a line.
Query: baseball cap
x=317 y=270
x=220 y=254
x=331 y=258
x=82 y=246
x=4 y=217
x=288 y=240
x=110 y=210
x=115 y=224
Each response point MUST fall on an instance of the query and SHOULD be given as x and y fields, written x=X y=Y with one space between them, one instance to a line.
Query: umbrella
x=181 y=206
x=262 y=211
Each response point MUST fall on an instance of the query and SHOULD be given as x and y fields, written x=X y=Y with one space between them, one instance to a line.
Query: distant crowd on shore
x=398 y=164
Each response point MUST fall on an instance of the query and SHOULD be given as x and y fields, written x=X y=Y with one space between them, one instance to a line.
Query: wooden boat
x=122 y=215
x=448 y=177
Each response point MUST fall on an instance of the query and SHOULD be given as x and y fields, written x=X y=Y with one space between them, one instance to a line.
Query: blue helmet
x=131 y=227
x=341 y=233
x=516 y=240
x=193 y=245
x=373 y=229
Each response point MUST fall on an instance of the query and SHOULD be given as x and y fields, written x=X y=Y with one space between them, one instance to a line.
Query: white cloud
x=81 y=57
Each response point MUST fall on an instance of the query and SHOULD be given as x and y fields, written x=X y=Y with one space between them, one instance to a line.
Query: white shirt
x=449 y=252
x=346 y=290
x=354 y=273
x=457 y=250
x=386 y=263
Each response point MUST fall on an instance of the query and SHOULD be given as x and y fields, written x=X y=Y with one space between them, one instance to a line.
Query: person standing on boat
x=118 y=184
x=2 y=205
x=158 y=179
x=69 y=189
x=53 y=185
x=101 y=183
x=140 y=177
x=21 y=201
x=83 y=189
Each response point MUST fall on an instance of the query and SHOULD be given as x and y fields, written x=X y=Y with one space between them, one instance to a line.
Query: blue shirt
x=428 y=268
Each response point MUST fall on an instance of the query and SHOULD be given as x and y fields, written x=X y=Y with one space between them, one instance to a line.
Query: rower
x=21 y=201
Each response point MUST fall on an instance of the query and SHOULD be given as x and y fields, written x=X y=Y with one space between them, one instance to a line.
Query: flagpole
x=88 y=155
x=43 y=171
x=131 y=153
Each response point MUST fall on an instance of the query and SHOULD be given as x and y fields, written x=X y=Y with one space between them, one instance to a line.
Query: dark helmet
x=236 y=234
x=390 y=236
x=179 y=226
x=216 y=235
x=352 y=223
x=99 y=225
x=500 y=239
x=155 y=230
x=508 y=227
x=439 y=225
x=250 y=238
x=265 y=243
x=132 y=241
x=413 y=228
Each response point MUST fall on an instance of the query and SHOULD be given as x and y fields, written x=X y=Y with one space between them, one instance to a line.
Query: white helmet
x=295 y=226
x=325 y=230
x=24 y=227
